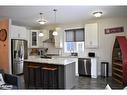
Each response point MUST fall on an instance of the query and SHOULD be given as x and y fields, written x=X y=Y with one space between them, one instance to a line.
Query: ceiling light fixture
x=97 y=14
x=41 y=20
x=55 y=32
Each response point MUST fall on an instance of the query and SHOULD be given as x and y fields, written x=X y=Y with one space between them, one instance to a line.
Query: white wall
x=106 y=41
x=51 y=48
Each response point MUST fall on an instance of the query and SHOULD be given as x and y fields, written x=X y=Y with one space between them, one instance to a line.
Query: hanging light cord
x=55 y=33
x=41 y=15
x=55 y=14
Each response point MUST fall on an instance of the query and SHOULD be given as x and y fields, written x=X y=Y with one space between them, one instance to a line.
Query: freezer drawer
x=84 y=66
x=18 y=67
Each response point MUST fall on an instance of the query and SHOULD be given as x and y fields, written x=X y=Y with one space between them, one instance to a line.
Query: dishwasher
x=84 y=66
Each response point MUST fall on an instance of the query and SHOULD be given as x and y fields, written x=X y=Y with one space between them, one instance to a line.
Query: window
x=74 y=40
x=34 y=38
x=69 y=36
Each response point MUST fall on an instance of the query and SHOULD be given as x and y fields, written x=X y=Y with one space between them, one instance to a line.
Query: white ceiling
x=27 y=15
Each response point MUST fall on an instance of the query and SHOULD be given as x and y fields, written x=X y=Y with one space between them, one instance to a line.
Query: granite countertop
x=64 y=56
x=56 y=61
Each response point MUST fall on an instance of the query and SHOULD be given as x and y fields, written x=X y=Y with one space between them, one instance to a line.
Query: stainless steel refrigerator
x=18 y=54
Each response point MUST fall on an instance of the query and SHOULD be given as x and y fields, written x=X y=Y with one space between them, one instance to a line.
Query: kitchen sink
x=47 y=57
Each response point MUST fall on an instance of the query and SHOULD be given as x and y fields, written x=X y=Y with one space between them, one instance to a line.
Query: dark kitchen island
x=55 y=73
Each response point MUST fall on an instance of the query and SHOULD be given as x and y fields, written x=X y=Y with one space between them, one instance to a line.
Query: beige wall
x=4 y=51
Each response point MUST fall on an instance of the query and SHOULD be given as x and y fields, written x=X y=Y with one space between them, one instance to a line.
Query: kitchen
x=94 y=46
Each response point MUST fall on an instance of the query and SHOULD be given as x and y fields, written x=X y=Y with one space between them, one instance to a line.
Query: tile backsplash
x=50 y=46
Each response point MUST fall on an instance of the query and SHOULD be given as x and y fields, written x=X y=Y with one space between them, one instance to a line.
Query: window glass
x=80 y=47
x=34 y=38
x=79 y=35
x=74 y=40
x=69 y=36
x=71 y=47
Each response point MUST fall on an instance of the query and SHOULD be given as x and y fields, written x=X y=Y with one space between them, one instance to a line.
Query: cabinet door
x=46 y=34
x=70 y=36
x=58 y=39
x=43 y=38
x=91 y=35
x=94 y=72
x=14 y=33
x=34 y=38
x=22 y=32
x=18 y=32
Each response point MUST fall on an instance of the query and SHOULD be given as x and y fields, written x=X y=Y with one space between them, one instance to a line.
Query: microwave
x=91 y=54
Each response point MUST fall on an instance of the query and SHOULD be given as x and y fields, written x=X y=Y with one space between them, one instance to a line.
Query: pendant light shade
x=41 y=34
x=54 y=33
x=41 y=20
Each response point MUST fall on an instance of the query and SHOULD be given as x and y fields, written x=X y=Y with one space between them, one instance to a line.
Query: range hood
x=51 y=38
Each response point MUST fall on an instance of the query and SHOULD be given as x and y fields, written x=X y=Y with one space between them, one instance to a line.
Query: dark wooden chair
x=49 y=77
x=34 y=77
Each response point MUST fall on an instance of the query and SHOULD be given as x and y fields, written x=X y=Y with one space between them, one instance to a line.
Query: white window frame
x=78 y=50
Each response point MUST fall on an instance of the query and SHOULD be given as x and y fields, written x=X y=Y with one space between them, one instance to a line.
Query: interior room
x=63 y=47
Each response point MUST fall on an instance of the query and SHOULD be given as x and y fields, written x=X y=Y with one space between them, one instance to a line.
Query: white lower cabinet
x=94 y=68
x=76 y=66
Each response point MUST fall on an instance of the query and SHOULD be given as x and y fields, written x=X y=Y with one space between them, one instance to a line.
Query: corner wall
x=4 y=47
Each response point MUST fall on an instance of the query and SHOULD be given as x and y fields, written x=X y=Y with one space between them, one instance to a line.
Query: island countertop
x=55 y=61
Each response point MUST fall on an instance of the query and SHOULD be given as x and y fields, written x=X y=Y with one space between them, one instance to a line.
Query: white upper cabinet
x=58 y=39
x=46 y=34
x=91 y=35
x=18 y=32
x=34 y=40
x=43 y=38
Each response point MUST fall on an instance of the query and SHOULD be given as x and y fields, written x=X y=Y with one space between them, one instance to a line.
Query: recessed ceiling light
x=97 y=14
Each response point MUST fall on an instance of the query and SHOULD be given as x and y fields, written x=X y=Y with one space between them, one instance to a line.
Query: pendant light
x=55 y=32
x=41 y=34
x=41 y=20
